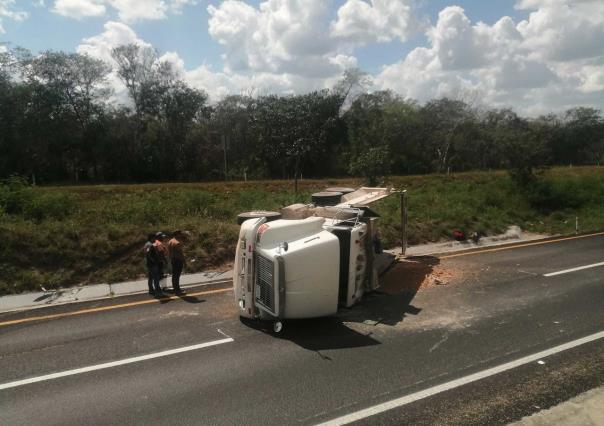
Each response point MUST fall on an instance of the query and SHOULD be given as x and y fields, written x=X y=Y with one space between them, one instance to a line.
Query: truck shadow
x=392 y=302
x=317 y=334
x=324 y=334
x=389 y=305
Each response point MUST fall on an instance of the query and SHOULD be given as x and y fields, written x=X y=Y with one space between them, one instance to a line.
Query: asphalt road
x=499 y=308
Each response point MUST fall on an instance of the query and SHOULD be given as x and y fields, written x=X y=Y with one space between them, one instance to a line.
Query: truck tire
x=343 y=190
x=270 y=216
x=324 y=199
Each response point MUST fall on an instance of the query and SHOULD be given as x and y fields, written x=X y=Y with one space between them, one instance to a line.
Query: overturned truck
x=309 y=261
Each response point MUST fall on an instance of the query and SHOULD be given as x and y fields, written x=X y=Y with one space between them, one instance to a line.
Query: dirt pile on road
x=411 y=274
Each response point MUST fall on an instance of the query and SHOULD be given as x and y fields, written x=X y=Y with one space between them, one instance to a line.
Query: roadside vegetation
x=64 y=236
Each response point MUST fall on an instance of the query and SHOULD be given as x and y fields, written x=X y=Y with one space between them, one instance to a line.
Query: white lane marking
x=399 y=402
x=579 y=268
x=113 y=364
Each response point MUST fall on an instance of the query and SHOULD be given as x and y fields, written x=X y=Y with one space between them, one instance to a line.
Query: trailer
x=310 y=261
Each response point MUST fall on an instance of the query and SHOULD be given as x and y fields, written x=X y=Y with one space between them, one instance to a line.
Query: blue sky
x=534 y=55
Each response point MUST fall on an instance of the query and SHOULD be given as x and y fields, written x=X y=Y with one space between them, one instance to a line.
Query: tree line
x=58 y=124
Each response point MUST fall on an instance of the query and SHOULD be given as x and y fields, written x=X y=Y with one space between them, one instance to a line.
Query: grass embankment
x=61 y=236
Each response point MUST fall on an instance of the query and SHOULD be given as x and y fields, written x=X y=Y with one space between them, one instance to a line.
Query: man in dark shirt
x=177 y=258
x=153 y=261
x=162 y=254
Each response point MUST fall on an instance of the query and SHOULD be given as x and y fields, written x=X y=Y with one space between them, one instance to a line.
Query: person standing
x=162 y=253
x=153 y=261
x=177 y=257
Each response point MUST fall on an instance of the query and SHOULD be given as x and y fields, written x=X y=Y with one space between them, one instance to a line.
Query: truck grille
x=265 y=282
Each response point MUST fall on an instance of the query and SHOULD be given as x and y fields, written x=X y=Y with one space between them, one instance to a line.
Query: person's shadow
x=170 y=296
x=190 y=299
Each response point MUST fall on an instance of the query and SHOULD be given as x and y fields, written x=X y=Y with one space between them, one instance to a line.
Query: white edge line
x=399 y=402
x=579 y=268
x=112 y=364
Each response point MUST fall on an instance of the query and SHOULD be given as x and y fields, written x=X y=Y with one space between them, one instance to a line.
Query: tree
x=78 y=81
x=144 y=75
x=181 y=108
x=583 y=136
x=232 y=120
x=523 y=150
x=5 y=62
x=384 y=119
x=292 y=129
x=446 y=122
x=354 y=83
x=372 y=164
x=148 y=81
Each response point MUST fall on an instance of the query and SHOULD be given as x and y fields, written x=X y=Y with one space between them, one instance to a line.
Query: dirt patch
x=411 y=274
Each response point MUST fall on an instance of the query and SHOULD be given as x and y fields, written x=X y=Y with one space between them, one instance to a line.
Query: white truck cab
x=310 y=262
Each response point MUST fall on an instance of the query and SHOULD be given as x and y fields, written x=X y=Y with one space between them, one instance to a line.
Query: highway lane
x=500 y=308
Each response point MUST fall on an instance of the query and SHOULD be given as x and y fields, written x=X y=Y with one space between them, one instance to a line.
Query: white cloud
x=288 y=36
x=299 y=45
x=128 y=10
x=562 y=30
x=79 y=9
x=344 y=61
x=552 y=60
x=8 y=11
x=176 y=6
x=114 y=34
x=220 y=84
x=139 y=10
x=592 y=79
x=378 y=21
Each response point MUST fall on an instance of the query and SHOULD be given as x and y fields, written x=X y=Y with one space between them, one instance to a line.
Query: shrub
x=548 y=196
x=198 y=203
x=49 y=205
x=18 y=198
x=15 y=195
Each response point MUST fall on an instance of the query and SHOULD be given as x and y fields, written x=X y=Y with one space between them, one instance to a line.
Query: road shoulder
x=586 y=409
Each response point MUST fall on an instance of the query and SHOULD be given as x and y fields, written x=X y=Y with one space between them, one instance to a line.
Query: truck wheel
x=270 y=216
x=343 y=190
x=325 y=199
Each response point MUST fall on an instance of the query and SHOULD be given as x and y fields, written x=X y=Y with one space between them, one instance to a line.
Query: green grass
x=62 y=236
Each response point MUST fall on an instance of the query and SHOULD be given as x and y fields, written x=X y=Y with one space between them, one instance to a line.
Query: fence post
x=404 y=207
